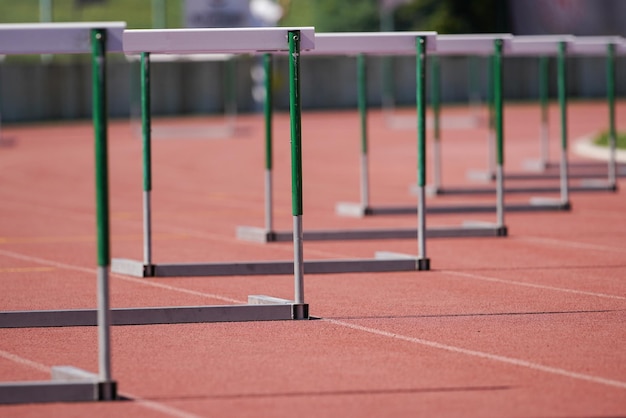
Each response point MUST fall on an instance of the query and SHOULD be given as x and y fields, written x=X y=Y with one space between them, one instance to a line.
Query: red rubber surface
x=528 y=325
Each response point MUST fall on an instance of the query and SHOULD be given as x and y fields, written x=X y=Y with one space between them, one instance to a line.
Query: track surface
x=531 y=325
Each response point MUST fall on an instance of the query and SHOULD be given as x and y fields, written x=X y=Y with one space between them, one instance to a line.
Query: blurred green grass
x=136 y=13
x=603 y=140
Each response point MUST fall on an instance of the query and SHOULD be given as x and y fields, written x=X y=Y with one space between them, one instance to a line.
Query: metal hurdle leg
x=146 y=130
x=420 y=98
x=544 y=136
x=363 y=207
x=266 y=234
x=499 y=133
x=562 y=87
x=435 y=89
x=98 y=41
x=296 y=163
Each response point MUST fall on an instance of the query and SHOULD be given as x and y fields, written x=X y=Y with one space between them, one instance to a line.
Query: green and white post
x=296 y=163
x=562 y=92
x=146 y=136
x=544 y=159
x=499 y=134
x=435 y=90
x=420 y=98
x=267 y=111
x=99 y=114
x=491 y=135
x=361 y=68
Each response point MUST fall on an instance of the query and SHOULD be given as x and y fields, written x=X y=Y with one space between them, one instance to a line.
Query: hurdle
x=454 y=44
x=561 y=46
x=586 y=46
x=597 y=46
x=68 y=383
x=262 y=40
x=362 y=45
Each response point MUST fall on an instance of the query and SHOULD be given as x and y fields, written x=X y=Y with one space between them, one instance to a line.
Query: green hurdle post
x=610 y=94
x=435 y=89
x=562 y=87
x=420 y=99
x=146 y=131
x=267 y=111
x=362 y=104
x=99 y=114
x=296 y=162
x=499 y=132
x=543 y=98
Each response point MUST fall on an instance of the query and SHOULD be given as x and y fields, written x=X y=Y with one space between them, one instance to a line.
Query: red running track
x=528 y=325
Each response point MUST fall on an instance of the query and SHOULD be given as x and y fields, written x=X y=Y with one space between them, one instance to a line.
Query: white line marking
x=24 y=362
x=25 y=269
x=144 y=282
x=536 y=286
x=571 y=244
x=155 y=406
x=487 y=356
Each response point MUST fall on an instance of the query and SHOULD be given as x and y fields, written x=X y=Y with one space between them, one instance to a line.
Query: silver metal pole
x=437 y=165
x=500 y=196
x=564 y=180
x=298 y=261
x=147 y=229
x=365 y=195
x=269 y=219
x=104 y=322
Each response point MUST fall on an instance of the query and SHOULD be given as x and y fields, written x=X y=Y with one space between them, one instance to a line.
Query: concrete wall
x=34 y=91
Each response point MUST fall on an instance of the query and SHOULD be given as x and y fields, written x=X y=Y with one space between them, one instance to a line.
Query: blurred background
x=44 y=88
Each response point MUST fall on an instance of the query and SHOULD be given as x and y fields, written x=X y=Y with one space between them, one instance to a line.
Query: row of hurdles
x=99 y=38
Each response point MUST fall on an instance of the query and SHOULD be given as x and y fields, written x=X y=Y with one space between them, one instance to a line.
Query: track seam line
x=488 y=356
x=533 y=285
x=571 y=244
x=156 y=406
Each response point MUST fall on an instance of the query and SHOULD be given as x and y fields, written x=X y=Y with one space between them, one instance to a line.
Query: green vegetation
x=137 y=13
x=603 y=140
x=443 y=16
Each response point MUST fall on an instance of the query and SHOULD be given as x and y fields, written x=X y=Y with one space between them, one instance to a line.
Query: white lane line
x=24 y=362
x=569 y=244
x=533 y=285
x=493 y=357
x=155 y=406
x=144 y=282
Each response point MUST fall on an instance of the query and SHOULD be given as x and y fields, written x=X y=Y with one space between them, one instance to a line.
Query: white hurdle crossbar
x=68 y=383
